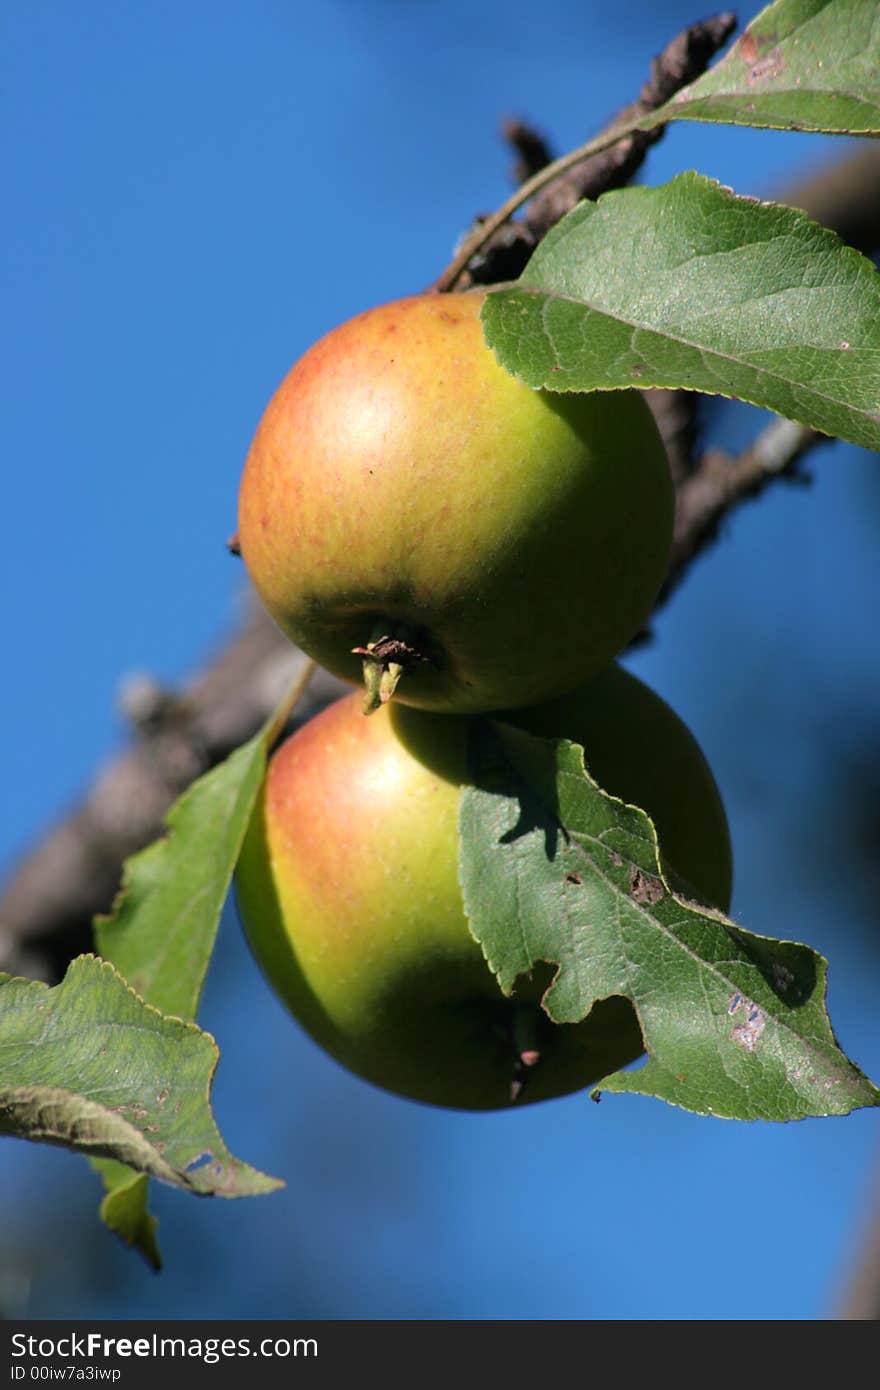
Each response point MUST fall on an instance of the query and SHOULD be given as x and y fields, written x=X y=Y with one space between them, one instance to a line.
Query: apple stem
x=390 y=677
x=487 y=228
x=372 y=681
x=388 y=655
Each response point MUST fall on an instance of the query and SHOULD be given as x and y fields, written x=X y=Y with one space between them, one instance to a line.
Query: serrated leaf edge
x=607 y=1083
x=687 y=178
x=178 y=1178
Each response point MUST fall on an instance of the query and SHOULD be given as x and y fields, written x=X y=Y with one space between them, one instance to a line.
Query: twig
x=533 y=152
x=494 y=251
x=721 y=483
x=845 y=197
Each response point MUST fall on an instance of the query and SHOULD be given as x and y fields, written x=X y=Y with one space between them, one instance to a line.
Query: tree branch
x=48 y=904
x=47 y=907
x=532 y=151
x=720 y=483
x=845 y=197
x=860 y=1298
x=683 y=60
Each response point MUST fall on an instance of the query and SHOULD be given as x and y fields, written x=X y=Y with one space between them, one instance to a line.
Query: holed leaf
x=125 y=1208
x=688 y=285
x=555 y=870
x=163 y=926
x=90 y=1066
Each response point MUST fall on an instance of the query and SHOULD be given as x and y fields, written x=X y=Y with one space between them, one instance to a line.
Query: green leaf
x=687 y=285
x=90 y=1066
x=800 y=65
x=555 y=870
x=164 y=923
x=162 y=930
x=125 y=1210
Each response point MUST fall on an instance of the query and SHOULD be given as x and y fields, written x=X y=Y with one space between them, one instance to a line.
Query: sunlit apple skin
x=348 y=891
x=400 y=479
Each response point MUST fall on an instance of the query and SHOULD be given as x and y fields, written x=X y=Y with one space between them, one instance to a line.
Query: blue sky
x=196 y=192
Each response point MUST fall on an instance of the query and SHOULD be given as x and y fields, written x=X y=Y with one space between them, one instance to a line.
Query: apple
x=638 y=749
x=409 y=507
x=348 y=891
